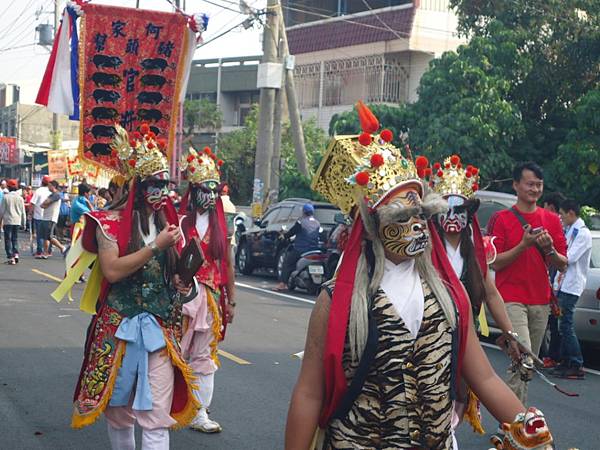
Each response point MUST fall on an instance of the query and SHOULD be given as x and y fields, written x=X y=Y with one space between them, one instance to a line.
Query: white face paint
x=156 y=194
x=456 y=218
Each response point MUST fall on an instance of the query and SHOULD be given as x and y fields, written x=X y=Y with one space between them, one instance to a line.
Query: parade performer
x=390 y=337
x=132 y=368
x=468 y=253
x=206 y=317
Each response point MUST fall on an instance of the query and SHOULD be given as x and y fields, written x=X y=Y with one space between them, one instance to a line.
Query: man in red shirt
x=529 y=239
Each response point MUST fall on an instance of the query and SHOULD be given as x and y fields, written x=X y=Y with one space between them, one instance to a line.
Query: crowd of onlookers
x=49 y=212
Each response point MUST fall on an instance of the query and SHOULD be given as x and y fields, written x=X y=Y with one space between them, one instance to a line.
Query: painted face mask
x=156 y=194
x=407 y=238
x=206 y=195
x=456 y=218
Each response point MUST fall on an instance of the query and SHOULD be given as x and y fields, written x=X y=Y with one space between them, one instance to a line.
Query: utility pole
x=54 y=144
x=277 y=122
x=292 y=99
x=264 y=144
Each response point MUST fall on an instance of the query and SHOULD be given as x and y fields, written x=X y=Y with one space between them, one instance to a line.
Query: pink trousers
x=195 y=345
x=162 y=377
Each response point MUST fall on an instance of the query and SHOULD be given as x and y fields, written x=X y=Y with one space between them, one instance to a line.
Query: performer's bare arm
x=116 y=268
x=495 y=395
x=495 y=303
x=307 y=398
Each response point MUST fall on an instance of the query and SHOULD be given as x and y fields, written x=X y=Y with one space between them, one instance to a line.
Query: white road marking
x=268 y=291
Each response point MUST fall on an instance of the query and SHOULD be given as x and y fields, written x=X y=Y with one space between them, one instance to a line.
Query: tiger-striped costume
x=405 y=401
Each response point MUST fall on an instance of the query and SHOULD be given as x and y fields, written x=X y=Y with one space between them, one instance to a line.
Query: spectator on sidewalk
x=569 y=286
x=64 y=212
x=51 y=208
x=12 y=214
x=81 y=204
x=39 y=197
x=528 y=240
x=551 y=354
x=27 y=196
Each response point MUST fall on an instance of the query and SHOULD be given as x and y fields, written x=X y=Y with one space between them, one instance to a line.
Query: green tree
x=398 y=119
x=577 y=164
x=201 y=114
x=238 y=148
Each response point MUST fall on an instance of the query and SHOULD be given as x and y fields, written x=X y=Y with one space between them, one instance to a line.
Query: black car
x=260 y=246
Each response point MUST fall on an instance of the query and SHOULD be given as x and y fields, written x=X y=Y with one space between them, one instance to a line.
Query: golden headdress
x=140 y=155
x=452 y=179
x=365 y=165
x=200 y=167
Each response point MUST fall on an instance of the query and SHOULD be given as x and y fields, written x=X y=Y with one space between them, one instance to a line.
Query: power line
x=17 y=47
x=12 y=24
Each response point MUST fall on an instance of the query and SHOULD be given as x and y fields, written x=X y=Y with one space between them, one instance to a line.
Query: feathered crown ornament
x=200 y=167
x=366 y=165
x=140 y=154
x=451 y=178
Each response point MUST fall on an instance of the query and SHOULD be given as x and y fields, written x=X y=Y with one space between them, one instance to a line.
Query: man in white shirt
x=569 y=286
x=51 y=208
x=39 y=197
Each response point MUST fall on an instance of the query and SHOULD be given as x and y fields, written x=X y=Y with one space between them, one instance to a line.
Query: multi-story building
x=31 y=125
x=229 y=82
x=375 y=51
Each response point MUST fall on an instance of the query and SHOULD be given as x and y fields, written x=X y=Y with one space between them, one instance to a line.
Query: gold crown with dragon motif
x=451 y=178
x=366 y=165
x=140 y=155
x=200 y=167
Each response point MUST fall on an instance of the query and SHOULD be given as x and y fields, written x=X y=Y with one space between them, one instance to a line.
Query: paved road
x=40 y=354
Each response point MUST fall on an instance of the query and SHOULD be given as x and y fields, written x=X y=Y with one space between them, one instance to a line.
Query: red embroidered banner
x=130 y=72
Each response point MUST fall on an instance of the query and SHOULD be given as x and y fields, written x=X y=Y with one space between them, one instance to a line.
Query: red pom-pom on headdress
x=368 y=121
x=144 y=128
x=362 y=178
x=377 y=160
x=365 y=139
x=437 y=166
x=421 y=162
x=386 y=135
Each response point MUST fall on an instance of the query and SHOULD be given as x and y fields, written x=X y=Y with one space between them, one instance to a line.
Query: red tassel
x=368 y=121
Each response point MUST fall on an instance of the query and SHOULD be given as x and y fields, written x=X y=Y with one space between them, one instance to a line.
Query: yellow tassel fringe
x=472 y=413
x=185 y=416
x=216 y=326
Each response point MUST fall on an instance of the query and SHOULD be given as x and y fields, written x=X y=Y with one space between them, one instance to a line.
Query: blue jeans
x=38 y=236
x=570 y=351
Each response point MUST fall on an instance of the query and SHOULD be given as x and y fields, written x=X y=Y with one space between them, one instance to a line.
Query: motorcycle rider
x=306 y=230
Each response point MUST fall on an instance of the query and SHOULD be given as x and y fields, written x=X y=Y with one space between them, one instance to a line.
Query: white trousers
x=124 y=438
x=206 y=385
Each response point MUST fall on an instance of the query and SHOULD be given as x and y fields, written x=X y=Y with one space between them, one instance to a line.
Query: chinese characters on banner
x=8 y=150
x=131 y=72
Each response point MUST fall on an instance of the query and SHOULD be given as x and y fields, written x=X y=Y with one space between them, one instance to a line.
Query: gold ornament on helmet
x=200 y=167
x=365 y=165
x=140 y=155
x=451 y=178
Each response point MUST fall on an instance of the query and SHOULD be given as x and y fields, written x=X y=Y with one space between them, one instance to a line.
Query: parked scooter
x=310 y=272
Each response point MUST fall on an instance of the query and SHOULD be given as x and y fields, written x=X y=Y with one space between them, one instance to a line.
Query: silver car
x=587 y=313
